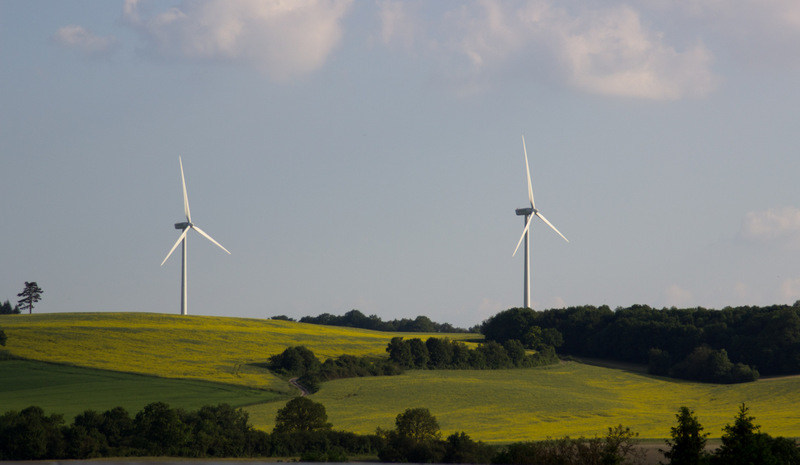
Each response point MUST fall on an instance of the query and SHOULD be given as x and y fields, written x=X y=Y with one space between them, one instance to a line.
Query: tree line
x=302 y=430
x=7 y=309
x=432 y=354
x=734 y=344
x=356 y=319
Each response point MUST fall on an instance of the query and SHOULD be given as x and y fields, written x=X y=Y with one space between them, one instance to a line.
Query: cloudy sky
x=369 y=154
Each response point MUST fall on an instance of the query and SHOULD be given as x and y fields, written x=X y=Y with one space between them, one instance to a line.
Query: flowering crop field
x=570 y=399
x=494 y=406
x=226 y=350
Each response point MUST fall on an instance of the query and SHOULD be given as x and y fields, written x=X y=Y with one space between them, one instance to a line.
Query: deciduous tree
x=417 y=424
x=301 y=414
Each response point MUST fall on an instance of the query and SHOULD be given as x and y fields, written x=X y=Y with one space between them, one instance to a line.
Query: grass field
x=570 y=399
x=496 y=406
x=71 y=390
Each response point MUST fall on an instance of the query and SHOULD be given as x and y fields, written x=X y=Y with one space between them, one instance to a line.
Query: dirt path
x=303 y=391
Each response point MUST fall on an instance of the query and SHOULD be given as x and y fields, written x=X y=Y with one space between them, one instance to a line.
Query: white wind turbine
x=528 y=214
x=185 y=227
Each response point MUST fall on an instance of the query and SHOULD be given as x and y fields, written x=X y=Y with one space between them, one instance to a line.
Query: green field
x=496 y=406
x=70 y=390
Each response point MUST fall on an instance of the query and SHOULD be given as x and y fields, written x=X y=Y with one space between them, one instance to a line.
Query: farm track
x=303 y=391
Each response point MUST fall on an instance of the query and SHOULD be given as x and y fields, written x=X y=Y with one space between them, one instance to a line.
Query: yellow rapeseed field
x=494 y=406
x=217 y=349
x=570 y=399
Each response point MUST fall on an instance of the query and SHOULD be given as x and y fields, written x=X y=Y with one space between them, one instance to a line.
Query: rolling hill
x=496 y=406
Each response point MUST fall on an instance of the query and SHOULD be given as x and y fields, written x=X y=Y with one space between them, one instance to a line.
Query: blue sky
x=368 y=154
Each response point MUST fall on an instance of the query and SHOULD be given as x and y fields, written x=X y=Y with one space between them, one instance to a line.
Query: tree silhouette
x=31 y=295
x=301 y=414
x=688 y=440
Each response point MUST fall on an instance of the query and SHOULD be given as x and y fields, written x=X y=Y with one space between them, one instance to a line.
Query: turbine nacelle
x=520 y=212
x=183 y=225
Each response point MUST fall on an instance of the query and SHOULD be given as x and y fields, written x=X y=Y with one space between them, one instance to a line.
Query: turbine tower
x=185 y=227
x=528 y=213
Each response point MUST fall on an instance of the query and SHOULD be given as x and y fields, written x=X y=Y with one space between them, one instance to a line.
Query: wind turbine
x=185 y=227
x=528 y=213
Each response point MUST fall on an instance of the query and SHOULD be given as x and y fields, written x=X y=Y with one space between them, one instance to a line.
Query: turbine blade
x=528 y=172
x=182 y=237
x=202 y=233
x=524 y=231
x=551 y=225
x=185 y=196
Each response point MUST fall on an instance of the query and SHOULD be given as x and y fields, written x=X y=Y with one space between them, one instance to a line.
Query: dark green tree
x=659 y=362
x=495 y=355
x=516 y=352
x=3 y=337
x=295 y=361
x=417 y=424
x=219 y=431
x=301 y=414
x=31 y=295
x=31 y=435
x=514 y=323
x=440 y=351
x=84 y=439
x=743 y=443
x=400 y=352
x=117 y=426
x=419 y=353
x=7 y=309
x=688 y=440
x=421 y=324
x=460 y=448
x=415 y=439
x=160 y=430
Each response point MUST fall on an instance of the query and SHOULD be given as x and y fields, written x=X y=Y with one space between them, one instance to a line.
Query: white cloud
x=283 y=39
x=398 y=24
x=610 y=52
x=677 y=296
x=741 y=290
x=77 y=37
x=751 y=32
x=606 y=51
x=790 y=289
x=780 y=225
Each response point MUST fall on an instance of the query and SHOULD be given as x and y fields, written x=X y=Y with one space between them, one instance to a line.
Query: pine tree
x=31 y=295
x=744 y=444
x=688 y=440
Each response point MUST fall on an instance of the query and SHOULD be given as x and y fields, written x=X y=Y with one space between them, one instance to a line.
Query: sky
x=368 y=155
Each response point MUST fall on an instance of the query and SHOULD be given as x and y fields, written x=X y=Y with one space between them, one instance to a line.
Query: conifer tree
x=31 y=295
x=688 y=440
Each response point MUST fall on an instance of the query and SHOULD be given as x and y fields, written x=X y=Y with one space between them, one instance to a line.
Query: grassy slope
x=71 y=390
x=195 y=347
x=569 y=399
